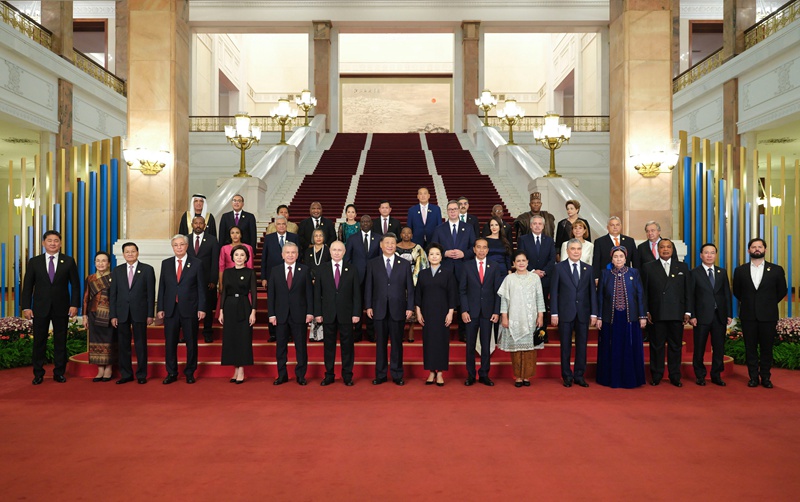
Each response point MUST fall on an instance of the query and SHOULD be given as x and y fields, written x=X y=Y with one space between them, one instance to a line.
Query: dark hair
x=389 y=234
x=384 y=202
x=128 y=244
x=578 y=223
x=238 y=195
x=237 y=228
x=243 y=248
x=104 y=254
x=517 y=253
x=436 y=245
x=51 y=232
x=462 y=198
x=501 y=233
x=349 y=206
x=481 y=239
x=709 y=244
x=574 y=203
x=750 y=243
x=282 y=206
x=672 y=244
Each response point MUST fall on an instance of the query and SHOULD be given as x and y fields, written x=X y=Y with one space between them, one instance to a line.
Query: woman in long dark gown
x=435 y=298
x=620 y=350
x=102 y=336
x=237 y=313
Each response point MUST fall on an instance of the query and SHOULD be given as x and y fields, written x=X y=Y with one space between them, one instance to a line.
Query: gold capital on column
x=322 y=69
x=470 y=44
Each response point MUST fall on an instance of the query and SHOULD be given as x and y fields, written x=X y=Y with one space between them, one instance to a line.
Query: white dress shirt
x=756 y=273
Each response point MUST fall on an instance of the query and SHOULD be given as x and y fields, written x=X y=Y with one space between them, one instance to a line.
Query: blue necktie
x=537 y=246
x=281 y=241
x=575 y=276
x=455 y=235
x=711 y=277
x=389 y=267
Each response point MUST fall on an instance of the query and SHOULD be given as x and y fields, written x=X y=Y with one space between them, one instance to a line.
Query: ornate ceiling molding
x=396 y=3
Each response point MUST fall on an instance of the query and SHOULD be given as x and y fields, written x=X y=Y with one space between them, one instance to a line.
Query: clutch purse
x=540 y=336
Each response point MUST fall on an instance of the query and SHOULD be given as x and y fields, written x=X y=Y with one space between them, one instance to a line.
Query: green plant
x=16 y=342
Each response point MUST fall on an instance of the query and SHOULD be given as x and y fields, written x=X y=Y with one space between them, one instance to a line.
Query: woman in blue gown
x=620 y=350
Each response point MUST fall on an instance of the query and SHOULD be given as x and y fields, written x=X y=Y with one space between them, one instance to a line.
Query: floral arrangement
x=14 y=328
x=788 y=330
x=16 y=342
x=735 y=330
x=786 y=352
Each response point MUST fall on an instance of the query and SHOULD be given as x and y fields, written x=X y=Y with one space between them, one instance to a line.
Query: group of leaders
x=431 y=272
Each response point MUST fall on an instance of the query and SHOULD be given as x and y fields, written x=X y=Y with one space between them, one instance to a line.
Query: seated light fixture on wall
x=486 y=102
x=282 y=114
x=650 y=165
x=242 y=136
x=147 y=161
x=305 y=101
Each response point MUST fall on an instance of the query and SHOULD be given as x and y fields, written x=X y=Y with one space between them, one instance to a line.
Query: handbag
x=540 y=336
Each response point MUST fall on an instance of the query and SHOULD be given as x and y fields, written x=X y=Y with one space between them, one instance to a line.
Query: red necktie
x=197 y=244
x=289 y=278
x=480 y=271
x=653 y=248
x=385 y=226
x=236 y=219
x=178 y=274
x=337 y=276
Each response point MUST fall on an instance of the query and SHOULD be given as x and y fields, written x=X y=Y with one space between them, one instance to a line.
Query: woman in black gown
x=237 y=313
x=435 y=298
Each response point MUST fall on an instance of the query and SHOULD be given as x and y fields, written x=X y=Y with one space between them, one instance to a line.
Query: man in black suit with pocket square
x=759 y=286
x=238 y=218
x=181 y=304
x=711 y=313
x=46 y=297
x=337 y=306
x=132 y=300
x=290 y=303
x=670 y=297
x=205 y=248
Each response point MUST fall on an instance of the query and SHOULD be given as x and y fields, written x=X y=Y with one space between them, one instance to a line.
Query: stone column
x=158 y=114
x=471 y=37
x=121 y=47
x=640 y=108
x=676 y=38
x=322 y=70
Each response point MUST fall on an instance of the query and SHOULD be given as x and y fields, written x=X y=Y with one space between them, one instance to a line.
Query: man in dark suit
x=305 y=230
x=423 y=218
x=469 y=219
x=205 y=248
x=181 y=304
x=361 y=248
x=759 y=286
x=541 y=252
x=711 y=313
x=46 y=297
x=239 y=218
x=480 y=308
x=272 y=255
x=670 y=297
x=389 y=299
x=604 y=244
x=132 y=300
x=386 y=223
x=290 y=303
x=497 y=210
x=337 y=306
x=573 y=307
x=647 y=251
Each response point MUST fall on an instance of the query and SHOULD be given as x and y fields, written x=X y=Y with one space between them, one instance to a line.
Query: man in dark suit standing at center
x=759 y=286
x=132 y=299
x=361 y=247
x=47 y=282
x=603 y=246
x=711 y=313
x=181 y=304
x=239 y=218
x=670 y=297
x=205 y=248
x=272 y=255
x=541 y=252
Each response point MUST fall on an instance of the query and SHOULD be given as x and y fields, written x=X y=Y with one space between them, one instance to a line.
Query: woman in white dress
x=579 y=232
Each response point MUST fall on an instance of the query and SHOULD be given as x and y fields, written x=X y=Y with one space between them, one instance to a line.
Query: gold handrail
x=208 y=123
x=770 y=25
x=578 y=123
x=26 y=25
x=94 y=70
x=704 y=67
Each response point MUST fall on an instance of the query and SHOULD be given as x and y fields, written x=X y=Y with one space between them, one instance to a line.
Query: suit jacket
x=546 y=258
x=602 y=252
x=271 y=254
x=389 y=296
x=570 y=301
x=506 y=228
x=208 y=255
x=710 y=301
x=759 y=304
x=644 y=255
x=465 y=241
x=394 y=226
x=473 y=220
x=480 y=300
x=185 y=227
x=337 y=304
x=247 y=223
x=668 y=297
x=190 y=291
x=637 y=304
x=423 y=233
x=356 y=254
x=290 y=305
x=50 y=298
x=305 y=231
x=134 y=303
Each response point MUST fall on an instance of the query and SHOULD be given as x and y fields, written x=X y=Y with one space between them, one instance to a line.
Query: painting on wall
x=396 y=104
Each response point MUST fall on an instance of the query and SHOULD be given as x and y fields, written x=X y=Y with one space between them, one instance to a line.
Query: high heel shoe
x=431 y=382
x=438 y=383
x=239 y=382
x=233 y=380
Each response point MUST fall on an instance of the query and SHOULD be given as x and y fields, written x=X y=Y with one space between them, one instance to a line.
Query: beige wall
x=589 y=87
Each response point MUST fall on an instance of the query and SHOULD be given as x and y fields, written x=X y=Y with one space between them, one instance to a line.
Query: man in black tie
x=359 y=250
x=711 y=313
x=132 y=300
x=51 y=292
x=205 y=248
x=337 y=306
x=315 y=221
x=759 y=286
x=387 y=223
x=239 y=218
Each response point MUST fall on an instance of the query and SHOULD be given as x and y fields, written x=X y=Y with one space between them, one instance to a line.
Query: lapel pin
x=241 y=277
x=346 y=269
x=188 y=265
x=631 y=277
x=673 y=275
x=62 y=261
x=767 y=267
x=138 y=271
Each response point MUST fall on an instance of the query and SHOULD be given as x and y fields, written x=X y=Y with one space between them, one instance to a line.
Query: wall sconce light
x=650 y=165
x=148 y=161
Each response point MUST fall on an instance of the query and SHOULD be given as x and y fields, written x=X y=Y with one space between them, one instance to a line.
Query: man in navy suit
x=181 y=304
x=480 y=308
x=573 y=307
x=389 y=299
x=205 y=248
x=46 y=297
x=541 y=252
x=463 y=215
x=360 y=248
x=239 y=218
x=132 y=299
x=603 y=246
x=290 y=303
x=271 y=255
x=423 y=218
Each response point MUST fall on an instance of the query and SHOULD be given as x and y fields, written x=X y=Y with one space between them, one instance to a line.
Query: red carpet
x=218 y=441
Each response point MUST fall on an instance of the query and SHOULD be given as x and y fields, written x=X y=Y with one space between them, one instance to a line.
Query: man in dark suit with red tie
x=132 y=299
x=205 y=248
x=181 y=304
x=51 y=292
x=647 y=251
x=272 y=255
x=386 y=223
x=389 y=299
x=290 y=303
x=759 y=286
x=238 y=218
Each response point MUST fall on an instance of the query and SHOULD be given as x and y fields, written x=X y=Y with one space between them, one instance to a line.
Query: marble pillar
x=730 y=116
x=676 y=37
x=322 y=70
x=57 y=17
x=121 y=41
x=470 y=45
x=158 y=114
x=640 y=58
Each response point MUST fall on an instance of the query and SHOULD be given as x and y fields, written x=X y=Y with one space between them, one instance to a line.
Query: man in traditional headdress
x=197 y=207
x=523 y=222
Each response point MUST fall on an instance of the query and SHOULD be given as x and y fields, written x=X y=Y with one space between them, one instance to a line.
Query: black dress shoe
x=124 y=380
x=440 y=384
x=518 y=384
x=486 y=381
x=302 y=381
x=182 y=340
x=141 y=381
x=170 y=379
x=766 y=384
x=272 y=339
x=233 y=380
x=582 y=383
x=349 y=383
x=753 y=382
x=469 y=381
x=326 y=381
x=105 y=379
x=37 y=380
x=399 y=381
x=718 y=381
x=60 y=378
x=676 y=383
x=190 y=379
x=208 y=339
x=379 y=381
x=701 y=382
x=567 y=383
x=280 y=381
x=429 y=382
x=526 y=383
x=655 y=382
x=97 y=379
